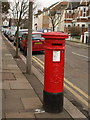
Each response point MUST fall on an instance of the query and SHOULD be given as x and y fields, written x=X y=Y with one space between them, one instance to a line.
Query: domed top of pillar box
x=55 y=35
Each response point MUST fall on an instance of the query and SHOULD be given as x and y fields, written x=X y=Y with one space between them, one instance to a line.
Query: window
x=70 y=12
x=37 y=37
x=83 y=26
x=24 y=36
x=84 y=12
x=68 y=25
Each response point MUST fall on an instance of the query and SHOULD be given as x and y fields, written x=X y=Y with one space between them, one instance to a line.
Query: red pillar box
x=54 y=71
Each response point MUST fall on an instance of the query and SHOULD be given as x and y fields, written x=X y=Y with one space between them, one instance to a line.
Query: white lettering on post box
x=56 y=56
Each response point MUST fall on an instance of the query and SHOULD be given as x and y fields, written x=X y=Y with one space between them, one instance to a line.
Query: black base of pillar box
x=53 y=102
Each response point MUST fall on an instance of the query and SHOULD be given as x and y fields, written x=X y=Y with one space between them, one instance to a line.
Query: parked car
x=21 y=32
x=37 y=42
x=6 y=32
x=11 y=35
x=45 y=30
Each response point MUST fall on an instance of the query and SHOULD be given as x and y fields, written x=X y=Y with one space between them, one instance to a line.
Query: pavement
x=77 y=44
x=22 y=94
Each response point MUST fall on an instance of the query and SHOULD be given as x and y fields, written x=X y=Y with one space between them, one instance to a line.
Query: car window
x=37 y=37
x=22 y=32
x=24 y=37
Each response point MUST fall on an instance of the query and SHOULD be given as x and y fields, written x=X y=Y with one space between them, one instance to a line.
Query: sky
x=47 y=3
x=44 y=3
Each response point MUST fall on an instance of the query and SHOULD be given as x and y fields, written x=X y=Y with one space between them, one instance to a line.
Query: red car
x=37 y=42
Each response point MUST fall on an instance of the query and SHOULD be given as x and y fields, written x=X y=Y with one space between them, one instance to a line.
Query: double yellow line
x=41 y=63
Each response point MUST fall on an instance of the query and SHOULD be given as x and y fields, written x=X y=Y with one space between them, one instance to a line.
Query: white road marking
x=79 y=55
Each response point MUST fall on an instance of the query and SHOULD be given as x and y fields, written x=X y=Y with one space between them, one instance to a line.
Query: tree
x=5 y=7
x=75 y=31
x=20 y=11
x=55 y=18
x=56 y=12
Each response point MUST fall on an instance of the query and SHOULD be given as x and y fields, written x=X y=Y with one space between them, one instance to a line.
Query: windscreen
x=22 y=32
x=37 y=37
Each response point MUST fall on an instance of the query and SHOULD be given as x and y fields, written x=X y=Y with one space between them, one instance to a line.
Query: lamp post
x=29 y=45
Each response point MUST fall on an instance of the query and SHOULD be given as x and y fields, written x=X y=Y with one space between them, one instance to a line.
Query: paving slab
x=20 y=85
x=5 y=85
x=19 y=81
x=8 y=76
x=14 y=70
x=62 y=115
x=12 y=105
x=22 y=80
x=12 y=66
x=20 y=115
x=20 y=93
x=8 y=55
x=20 y=77
x=0 y=103
x=31 y=103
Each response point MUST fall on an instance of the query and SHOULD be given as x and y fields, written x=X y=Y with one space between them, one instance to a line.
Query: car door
x=23 y=42
x=37 y=42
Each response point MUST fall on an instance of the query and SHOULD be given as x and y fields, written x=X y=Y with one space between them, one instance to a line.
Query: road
x=76 y=72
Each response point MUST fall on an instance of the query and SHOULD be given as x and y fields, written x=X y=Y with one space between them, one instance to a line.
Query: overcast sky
x=47 y=3
x=44 y=3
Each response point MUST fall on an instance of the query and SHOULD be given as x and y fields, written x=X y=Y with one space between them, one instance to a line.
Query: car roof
x=34 y=33
x=21 y=30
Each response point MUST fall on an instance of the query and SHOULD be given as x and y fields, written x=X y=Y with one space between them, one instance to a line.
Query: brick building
x=42 y=18
x=77 y=14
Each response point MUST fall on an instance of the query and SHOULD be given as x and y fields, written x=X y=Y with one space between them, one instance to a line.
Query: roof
x=23 y=30
x=55 y=6
x=60 y=6
x=73 y=5
x=34 y=33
